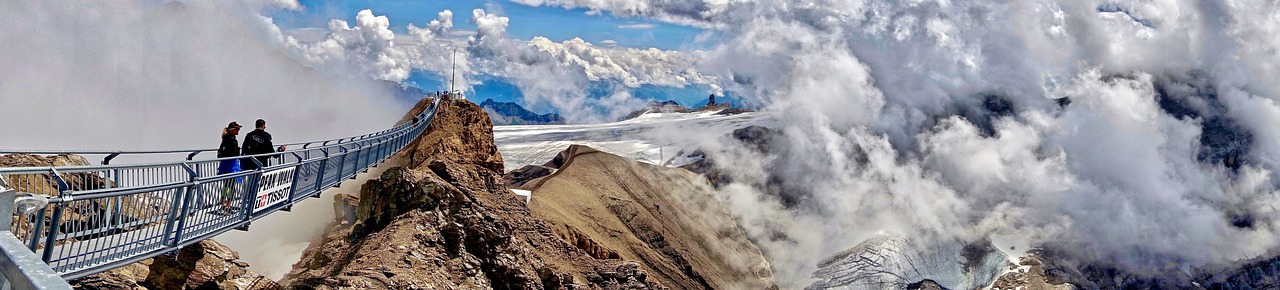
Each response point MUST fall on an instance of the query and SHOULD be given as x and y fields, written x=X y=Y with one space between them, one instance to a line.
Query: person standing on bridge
x=258 y=142
x=230 y=148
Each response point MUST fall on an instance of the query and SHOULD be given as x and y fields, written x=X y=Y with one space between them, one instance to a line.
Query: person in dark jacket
x=229 y=148
x=258 y=142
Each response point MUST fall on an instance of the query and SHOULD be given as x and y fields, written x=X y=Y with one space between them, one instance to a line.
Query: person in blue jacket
x=230 y=148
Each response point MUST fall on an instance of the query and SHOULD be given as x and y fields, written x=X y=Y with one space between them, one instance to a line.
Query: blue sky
x=555 y=23
x=503 y=91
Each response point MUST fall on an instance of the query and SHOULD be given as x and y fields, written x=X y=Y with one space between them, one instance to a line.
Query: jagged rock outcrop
x=519 y=177
x=204 y=265
x=40 y=184
x=446 y=221
x=1029 y=274
x=29 y=160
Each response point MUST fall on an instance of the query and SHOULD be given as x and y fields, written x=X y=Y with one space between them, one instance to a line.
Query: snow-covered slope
x=895 y=263
x=656 y=138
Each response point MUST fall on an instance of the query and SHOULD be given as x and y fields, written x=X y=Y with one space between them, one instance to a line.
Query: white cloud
x=697 y=12
x=365 y=49
x=559 y=75
x=637 y=26
x=1110 y=179
x=885 y=108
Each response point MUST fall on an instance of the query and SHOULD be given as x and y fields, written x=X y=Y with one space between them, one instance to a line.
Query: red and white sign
x=274 y=187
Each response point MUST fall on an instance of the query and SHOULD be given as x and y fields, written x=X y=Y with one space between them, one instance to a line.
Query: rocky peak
x=446 y=221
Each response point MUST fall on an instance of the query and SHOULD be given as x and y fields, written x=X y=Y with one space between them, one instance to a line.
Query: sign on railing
x=273 y=188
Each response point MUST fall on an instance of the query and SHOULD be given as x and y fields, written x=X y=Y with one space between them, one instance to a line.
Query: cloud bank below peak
x=1065 y=122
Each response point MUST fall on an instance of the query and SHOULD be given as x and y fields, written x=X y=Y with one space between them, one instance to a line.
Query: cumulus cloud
x=1080 y=125
x=559 y=75
x=552 y=75
x=365 y=49
x=697 y=12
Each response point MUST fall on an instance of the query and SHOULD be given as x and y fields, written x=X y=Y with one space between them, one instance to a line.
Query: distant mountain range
x=509 y=113
x=724 y=108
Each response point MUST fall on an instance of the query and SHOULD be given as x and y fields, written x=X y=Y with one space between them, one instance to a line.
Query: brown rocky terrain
x=204 y=265
x=1029 y=274
x=446 y=221
x=667 y=218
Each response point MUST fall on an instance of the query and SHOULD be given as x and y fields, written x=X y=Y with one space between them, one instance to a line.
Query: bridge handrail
x=98 y=217
x=143 y=165
x=111 y=154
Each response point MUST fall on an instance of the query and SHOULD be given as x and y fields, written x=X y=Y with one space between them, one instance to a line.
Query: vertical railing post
x=251 y=193
x=320 y=172
x=293 y=188
x=191 y=193
x=368 y=156
x=178 y=210
x=38 y=228
x=342 y=160
x=293 y=183
x=113 y=220
x=359 y=153
x=56 y=224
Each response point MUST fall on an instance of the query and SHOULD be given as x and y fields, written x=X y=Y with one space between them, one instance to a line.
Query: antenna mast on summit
x=453 y=74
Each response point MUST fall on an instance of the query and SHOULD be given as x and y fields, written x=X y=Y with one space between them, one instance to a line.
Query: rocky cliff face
x=447 y=221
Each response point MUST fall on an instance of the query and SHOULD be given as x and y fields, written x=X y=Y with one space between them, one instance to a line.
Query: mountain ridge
x=510 y=113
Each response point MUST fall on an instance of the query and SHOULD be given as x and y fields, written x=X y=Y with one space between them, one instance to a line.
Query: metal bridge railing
x=105 y=216
x=190 y=154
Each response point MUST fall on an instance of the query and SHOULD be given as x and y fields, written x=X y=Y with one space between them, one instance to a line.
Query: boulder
x=204 y=265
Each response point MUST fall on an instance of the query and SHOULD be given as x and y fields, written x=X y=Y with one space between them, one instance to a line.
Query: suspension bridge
x=74 y=221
